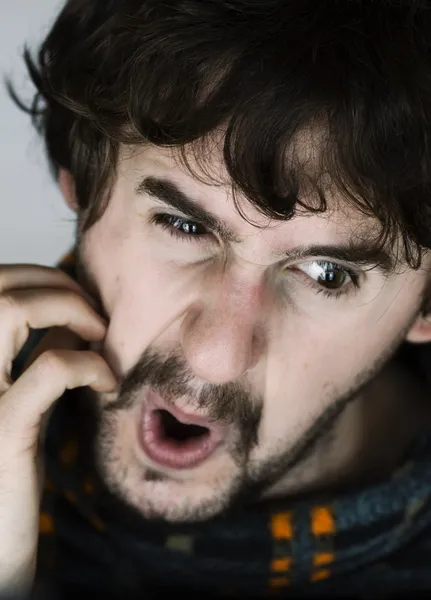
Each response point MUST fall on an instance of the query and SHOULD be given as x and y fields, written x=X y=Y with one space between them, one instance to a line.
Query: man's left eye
x=328 y=275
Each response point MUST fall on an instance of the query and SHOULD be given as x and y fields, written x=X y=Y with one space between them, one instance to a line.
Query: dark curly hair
x=176 y=72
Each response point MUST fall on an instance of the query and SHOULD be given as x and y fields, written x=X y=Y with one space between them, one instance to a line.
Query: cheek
x=102 y=250
x=312 y=365
x=146 y=305
x=137 y=309
x=301 y=386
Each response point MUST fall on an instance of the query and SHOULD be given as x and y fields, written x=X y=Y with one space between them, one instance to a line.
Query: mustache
x=170 y=376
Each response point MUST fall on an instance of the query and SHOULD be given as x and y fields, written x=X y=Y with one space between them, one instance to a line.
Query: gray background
x=36 y=225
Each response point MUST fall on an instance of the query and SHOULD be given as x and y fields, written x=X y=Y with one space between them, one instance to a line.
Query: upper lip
x=186 y=418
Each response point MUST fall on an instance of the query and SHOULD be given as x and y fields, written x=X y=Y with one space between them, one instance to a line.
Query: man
x=239 y=337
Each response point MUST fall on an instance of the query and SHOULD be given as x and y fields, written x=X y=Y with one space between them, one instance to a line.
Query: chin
x=178 y=502
x=175 y=496
x=155 y=495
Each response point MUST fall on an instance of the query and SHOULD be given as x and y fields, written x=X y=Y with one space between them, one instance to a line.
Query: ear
x=67 y=187
x=420 y=331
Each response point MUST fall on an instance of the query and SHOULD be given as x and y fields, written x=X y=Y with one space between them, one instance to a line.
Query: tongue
x=175 y=451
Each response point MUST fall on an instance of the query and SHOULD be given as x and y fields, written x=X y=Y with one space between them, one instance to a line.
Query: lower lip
x=171 y=453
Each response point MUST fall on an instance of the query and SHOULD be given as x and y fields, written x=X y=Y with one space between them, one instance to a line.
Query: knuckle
x=10 y=313
x=51 y=361
x=8 y=303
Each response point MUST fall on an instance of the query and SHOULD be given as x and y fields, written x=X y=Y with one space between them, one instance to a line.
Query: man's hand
x=36 y=297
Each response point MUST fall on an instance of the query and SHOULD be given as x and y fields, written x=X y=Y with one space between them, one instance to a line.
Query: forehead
x=212 y=190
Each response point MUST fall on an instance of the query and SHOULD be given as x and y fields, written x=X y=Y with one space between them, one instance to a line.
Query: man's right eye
x=180 y=227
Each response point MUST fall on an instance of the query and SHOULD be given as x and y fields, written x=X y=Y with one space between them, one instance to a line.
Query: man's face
x=236 y=344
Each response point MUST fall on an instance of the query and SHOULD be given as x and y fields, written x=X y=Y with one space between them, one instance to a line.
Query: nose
x=222 y=336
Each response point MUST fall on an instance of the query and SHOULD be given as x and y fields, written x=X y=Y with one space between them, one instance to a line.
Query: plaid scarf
x=368 y=543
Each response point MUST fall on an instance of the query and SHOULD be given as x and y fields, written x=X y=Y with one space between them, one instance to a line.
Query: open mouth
x=175 y=439
x=174 y=430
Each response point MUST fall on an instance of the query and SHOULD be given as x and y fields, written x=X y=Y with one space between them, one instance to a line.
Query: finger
x=39 y=309
x=21 y=276
x=21 y=411
x=26 y=275
x=57 y=338
x=22 y=407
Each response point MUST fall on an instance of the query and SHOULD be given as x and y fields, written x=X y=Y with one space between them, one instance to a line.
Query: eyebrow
x=361 y=253
x=170 y=194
